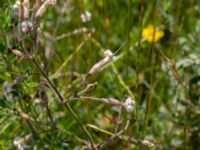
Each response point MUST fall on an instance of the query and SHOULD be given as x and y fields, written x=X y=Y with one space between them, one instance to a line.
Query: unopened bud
x=98 y=66
x=43 y=8
x=18 y=11
x=26 y=5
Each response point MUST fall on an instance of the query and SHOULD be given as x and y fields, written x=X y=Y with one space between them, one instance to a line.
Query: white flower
x=129 y=108
x=86 y=16
x=108 y=53
x=129 y=104
x=17 y=4
x=7 y=86
x=18 y=144
x=26 y=26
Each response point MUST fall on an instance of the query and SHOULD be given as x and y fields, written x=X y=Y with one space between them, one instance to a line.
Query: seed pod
x=43 y=8
x=99 y=65
x=41 y=11
x=26 y=5
x=36 y=6
x=20 y=54
x=17 y=53
x=18 y=11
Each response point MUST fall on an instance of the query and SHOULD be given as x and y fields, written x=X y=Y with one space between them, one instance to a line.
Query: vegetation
x=115 y=74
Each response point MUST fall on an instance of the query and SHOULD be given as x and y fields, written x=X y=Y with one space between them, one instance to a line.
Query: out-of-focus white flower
x=108 y=52
x=19 y=142
x=86 y=16
x=26 y=26
x=129 y=104
x=17 y=4
x=7 y=87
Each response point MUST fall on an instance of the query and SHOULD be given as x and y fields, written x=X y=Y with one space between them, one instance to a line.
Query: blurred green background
x=163 y=76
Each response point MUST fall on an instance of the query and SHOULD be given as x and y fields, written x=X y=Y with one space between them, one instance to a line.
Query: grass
x=51 y=98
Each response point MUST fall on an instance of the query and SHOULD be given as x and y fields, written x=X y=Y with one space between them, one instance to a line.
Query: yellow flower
x=149 y=35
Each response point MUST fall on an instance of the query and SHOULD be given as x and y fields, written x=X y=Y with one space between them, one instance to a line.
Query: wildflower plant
x=93 y=74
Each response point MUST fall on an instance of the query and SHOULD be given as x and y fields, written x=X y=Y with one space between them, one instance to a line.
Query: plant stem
x=61 y=98
x=63 y=101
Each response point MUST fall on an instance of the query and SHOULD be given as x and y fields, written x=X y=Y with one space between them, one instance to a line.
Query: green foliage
x=5 y=17
x=50 y=100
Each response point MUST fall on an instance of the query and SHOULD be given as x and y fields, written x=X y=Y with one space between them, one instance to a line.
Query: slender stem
x=152 y=53
x=63 y=101
x=61 y=98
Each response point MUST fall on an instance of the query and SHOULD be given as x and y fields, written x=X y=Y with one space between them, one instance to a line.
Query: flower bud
x=26 y=5
x=18 y=11
x=43 y=8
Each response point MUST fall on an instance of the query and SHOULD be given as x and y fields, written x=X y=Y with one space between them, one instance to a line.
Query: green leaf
x=5 y=17
x=2 y=48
